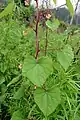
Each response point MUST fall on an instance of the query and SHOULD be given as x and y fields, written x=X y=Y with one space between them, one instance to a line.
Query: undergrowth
x=39 y=67
x=17 y=91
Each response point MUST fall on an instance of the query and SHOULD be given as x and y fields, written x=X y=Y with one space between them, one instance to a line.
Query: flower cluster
x=27 y=2
x=44 y=15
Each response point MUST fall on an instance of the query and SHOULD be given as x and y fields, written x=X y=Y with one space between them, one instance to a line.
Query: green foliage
x=19 y=93
x=17 y=115
x=37 y=72
x=13 y=48
x=23 y=13
x=15 y=42
x=50 y=83
x=65 y=57
x=8 y=10
x=70 y=7
x=2 y=79
x=14 y=80
x=57 y=80
x=47 y=100
x=52 y=25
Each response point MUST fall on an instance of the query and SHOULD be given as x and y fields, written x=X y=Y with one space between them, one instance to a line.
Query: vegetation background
x=39 y=67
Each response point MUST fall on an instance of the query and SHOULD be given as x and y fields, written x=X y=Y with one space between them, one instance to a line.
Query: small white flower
x=20 y=66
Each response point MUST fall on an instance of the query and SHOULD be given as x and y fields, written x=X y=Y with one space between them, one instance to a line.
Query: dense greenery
x=17 y=90
x=39 y=81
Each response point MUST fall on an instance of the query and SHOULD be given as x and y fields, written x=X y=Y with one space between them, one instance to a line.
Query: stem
x=46 y=45
x=37 y=22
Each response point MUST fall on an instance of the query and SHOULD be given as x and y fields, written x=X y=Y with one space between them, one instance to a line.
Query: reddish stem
x=37 y=22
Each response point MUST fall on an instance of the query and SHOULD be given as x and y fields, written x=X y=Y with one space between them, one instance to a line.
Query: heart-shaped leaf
x=37 y=72
x=65 y=57
x=47 y=100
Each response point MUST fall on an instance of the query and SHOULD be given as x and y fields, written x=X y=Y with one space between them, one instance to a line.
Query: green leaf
x=14 y=80
x=47 y=100
x=65 y=56
x=3 y=67
x=70 y=7
x=19 y=93
x=37 y=72
x=3 y=89
x=52 y=25
x=7 y=10
x=2 y=98
x=2 y=79
x=17 y=115
x=54 y=1
x=45 y=119
x=77 y=117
